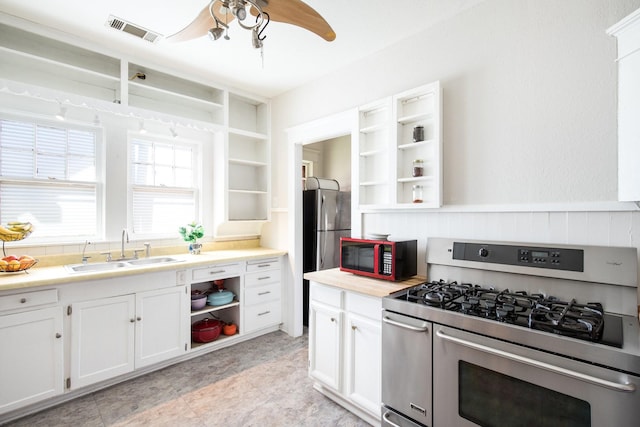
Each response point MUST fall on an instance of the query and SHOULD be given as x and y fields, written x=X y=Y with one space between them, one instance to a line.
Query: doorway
x=328 y=128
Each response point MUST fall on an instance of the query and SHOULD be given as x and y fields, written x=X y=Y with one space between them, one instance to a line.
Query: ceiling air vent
x=120 y=24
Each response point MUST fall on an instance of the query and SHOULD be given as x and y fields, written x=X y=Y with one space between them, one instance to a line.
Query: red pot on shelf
x=206 y=330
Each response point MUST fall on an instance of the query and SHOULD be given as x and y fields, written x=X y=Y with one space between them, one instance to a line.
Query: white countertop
x=361 y=284
x=47 y=276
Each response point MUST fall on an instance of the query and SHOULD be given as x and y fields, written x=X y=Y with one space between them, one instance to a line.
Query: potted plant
x=191 y=233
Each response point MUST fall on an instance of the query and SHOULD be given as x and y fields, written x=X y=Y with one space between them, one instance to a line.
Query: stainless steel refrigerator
x=326 y=217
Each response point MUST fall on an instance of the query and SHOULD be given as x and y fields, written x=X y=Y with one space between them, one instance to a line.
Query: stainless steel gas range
x=514 y=334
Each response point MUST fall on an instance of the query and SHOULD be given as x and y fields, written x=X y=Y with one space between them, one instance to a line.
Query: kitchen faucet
x=124 y=233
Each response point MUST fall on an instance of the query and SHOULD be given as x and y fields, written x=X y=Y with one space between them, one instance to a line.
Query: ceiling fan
x=214 y=19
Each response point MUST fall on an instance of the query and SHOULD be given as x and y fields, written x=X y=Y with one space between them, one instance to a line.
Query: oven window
x=492 y=399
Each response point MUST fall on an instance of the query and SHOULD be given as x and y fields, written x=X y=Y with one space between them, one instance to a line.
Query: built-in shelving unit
x=419 y=107
x=157 y=91
x=374 y=178
x=241 y=122
x=246 y=181
x=37 y=60
x=386 y=150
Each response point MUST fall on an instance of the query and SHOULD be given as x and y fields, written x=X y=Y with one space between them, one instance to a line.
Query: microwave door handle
x=376 y=258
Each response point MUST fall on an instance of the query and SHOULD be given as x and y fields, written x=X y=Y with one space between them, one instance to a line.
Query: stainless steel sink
x=116 y=265
x=148 y=261
x=99 y=266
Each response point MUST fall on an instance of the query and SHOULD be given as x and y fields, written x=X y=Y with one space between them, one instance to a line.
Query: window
x=48 y=177
x=164 y=190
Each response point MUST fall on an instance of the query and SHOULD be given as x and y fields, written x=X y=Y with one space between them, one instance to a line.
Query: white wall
x=529 y=91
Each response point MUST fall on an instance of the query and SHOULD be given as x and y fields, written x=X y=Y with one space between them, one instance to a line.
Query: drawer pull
x=354 y=327
x=263 y=265
x=216 y=272
x=264 y=293
x=132 y=320
x=58 y=335
x=264 y=277
x=139 y=318
x=264 y=312
x=23 y=300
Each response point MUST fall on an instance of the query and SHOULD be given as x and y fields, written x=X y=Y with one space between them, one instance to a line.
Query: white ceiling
x=292 y=56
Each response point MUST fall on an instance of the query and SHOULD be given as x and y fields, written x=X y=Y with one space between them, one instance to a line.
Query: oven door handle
x=386 y=419
x=386 y=319
x=627 y=387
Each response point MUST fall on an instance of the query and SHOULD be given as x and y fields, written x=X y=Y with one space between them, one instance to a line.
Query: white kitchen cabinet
x=161 y=325
x=325 y=344
x=627 y=33
x=363 y=337
x=262 y=294
x=386 y=150
x=344 y=348
x=32 y=357
x=114 y=336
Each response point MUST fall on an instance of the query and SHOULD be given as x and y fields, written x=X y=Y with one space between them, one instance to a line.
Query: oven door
x=406 y=369
x=486 y=382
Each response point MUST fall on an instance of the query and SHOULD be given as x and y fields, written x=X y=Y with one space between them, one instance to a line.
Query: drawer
x=364 y=305
x=325 y=294
x=262 y=294
x=262 y=277
x=263 y=264
x=28 y=299
x=221 y=271
x=262 y=316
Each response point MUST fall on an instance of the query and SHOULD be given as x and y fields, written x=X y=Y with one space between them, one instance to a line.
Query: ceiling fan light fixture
x=215 y=33
x=239 y=12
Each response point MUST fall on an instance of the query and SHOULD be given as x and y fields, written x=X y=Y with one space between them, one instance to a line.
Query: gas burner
x=438 y=294
x=535 y=311
x=568 y=318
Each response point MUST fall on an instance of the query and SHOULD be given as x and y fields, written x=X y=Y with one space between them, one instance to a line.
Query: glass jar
x=418 y=167
x=417 y=193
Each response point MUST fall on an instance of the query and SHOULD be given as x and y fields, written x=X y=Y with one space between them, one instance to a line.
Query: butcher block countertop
x=361 y=284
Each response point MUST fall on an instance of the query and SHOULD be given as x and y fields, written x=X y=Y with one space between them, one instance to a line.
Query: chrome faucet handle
x=147 y=249
x=85 y=259
x=135 y=253
x=108 y=254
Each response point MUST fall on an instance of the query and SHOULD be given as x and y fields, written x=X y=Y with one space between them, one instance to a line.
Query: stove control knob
x=483 y=252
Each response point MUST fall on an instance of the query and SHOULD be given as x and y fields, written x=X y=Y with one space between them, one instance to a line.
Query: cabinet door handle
x=139 y=318
x=132 y=320
x=354 y=327
x=58 y=335
x=264 y=312
x=23 y=300
x=264 y=293
x=333 y=319
x=264 y=277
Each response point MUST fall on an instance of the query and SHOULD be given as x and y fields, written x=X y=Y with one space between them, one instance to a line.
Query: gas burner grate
x=584 y=321
x=535 y=311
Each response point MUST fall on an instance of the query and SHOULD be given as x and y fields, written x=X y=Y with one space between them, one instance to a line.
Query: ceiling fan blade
x=300 y=14
x=201 y=24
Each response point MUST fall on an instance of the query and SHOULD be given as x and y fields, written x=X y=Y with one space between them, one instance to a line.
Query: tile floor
x=261 y=382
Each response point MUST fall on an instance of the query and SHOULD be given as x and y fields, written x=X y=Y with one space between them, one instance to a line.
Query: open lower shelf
x=212 y=308
x=222 y=337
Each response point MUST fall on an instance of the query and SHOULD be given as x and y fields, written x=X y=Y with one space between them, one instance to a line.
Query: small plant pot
x=194 y=248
